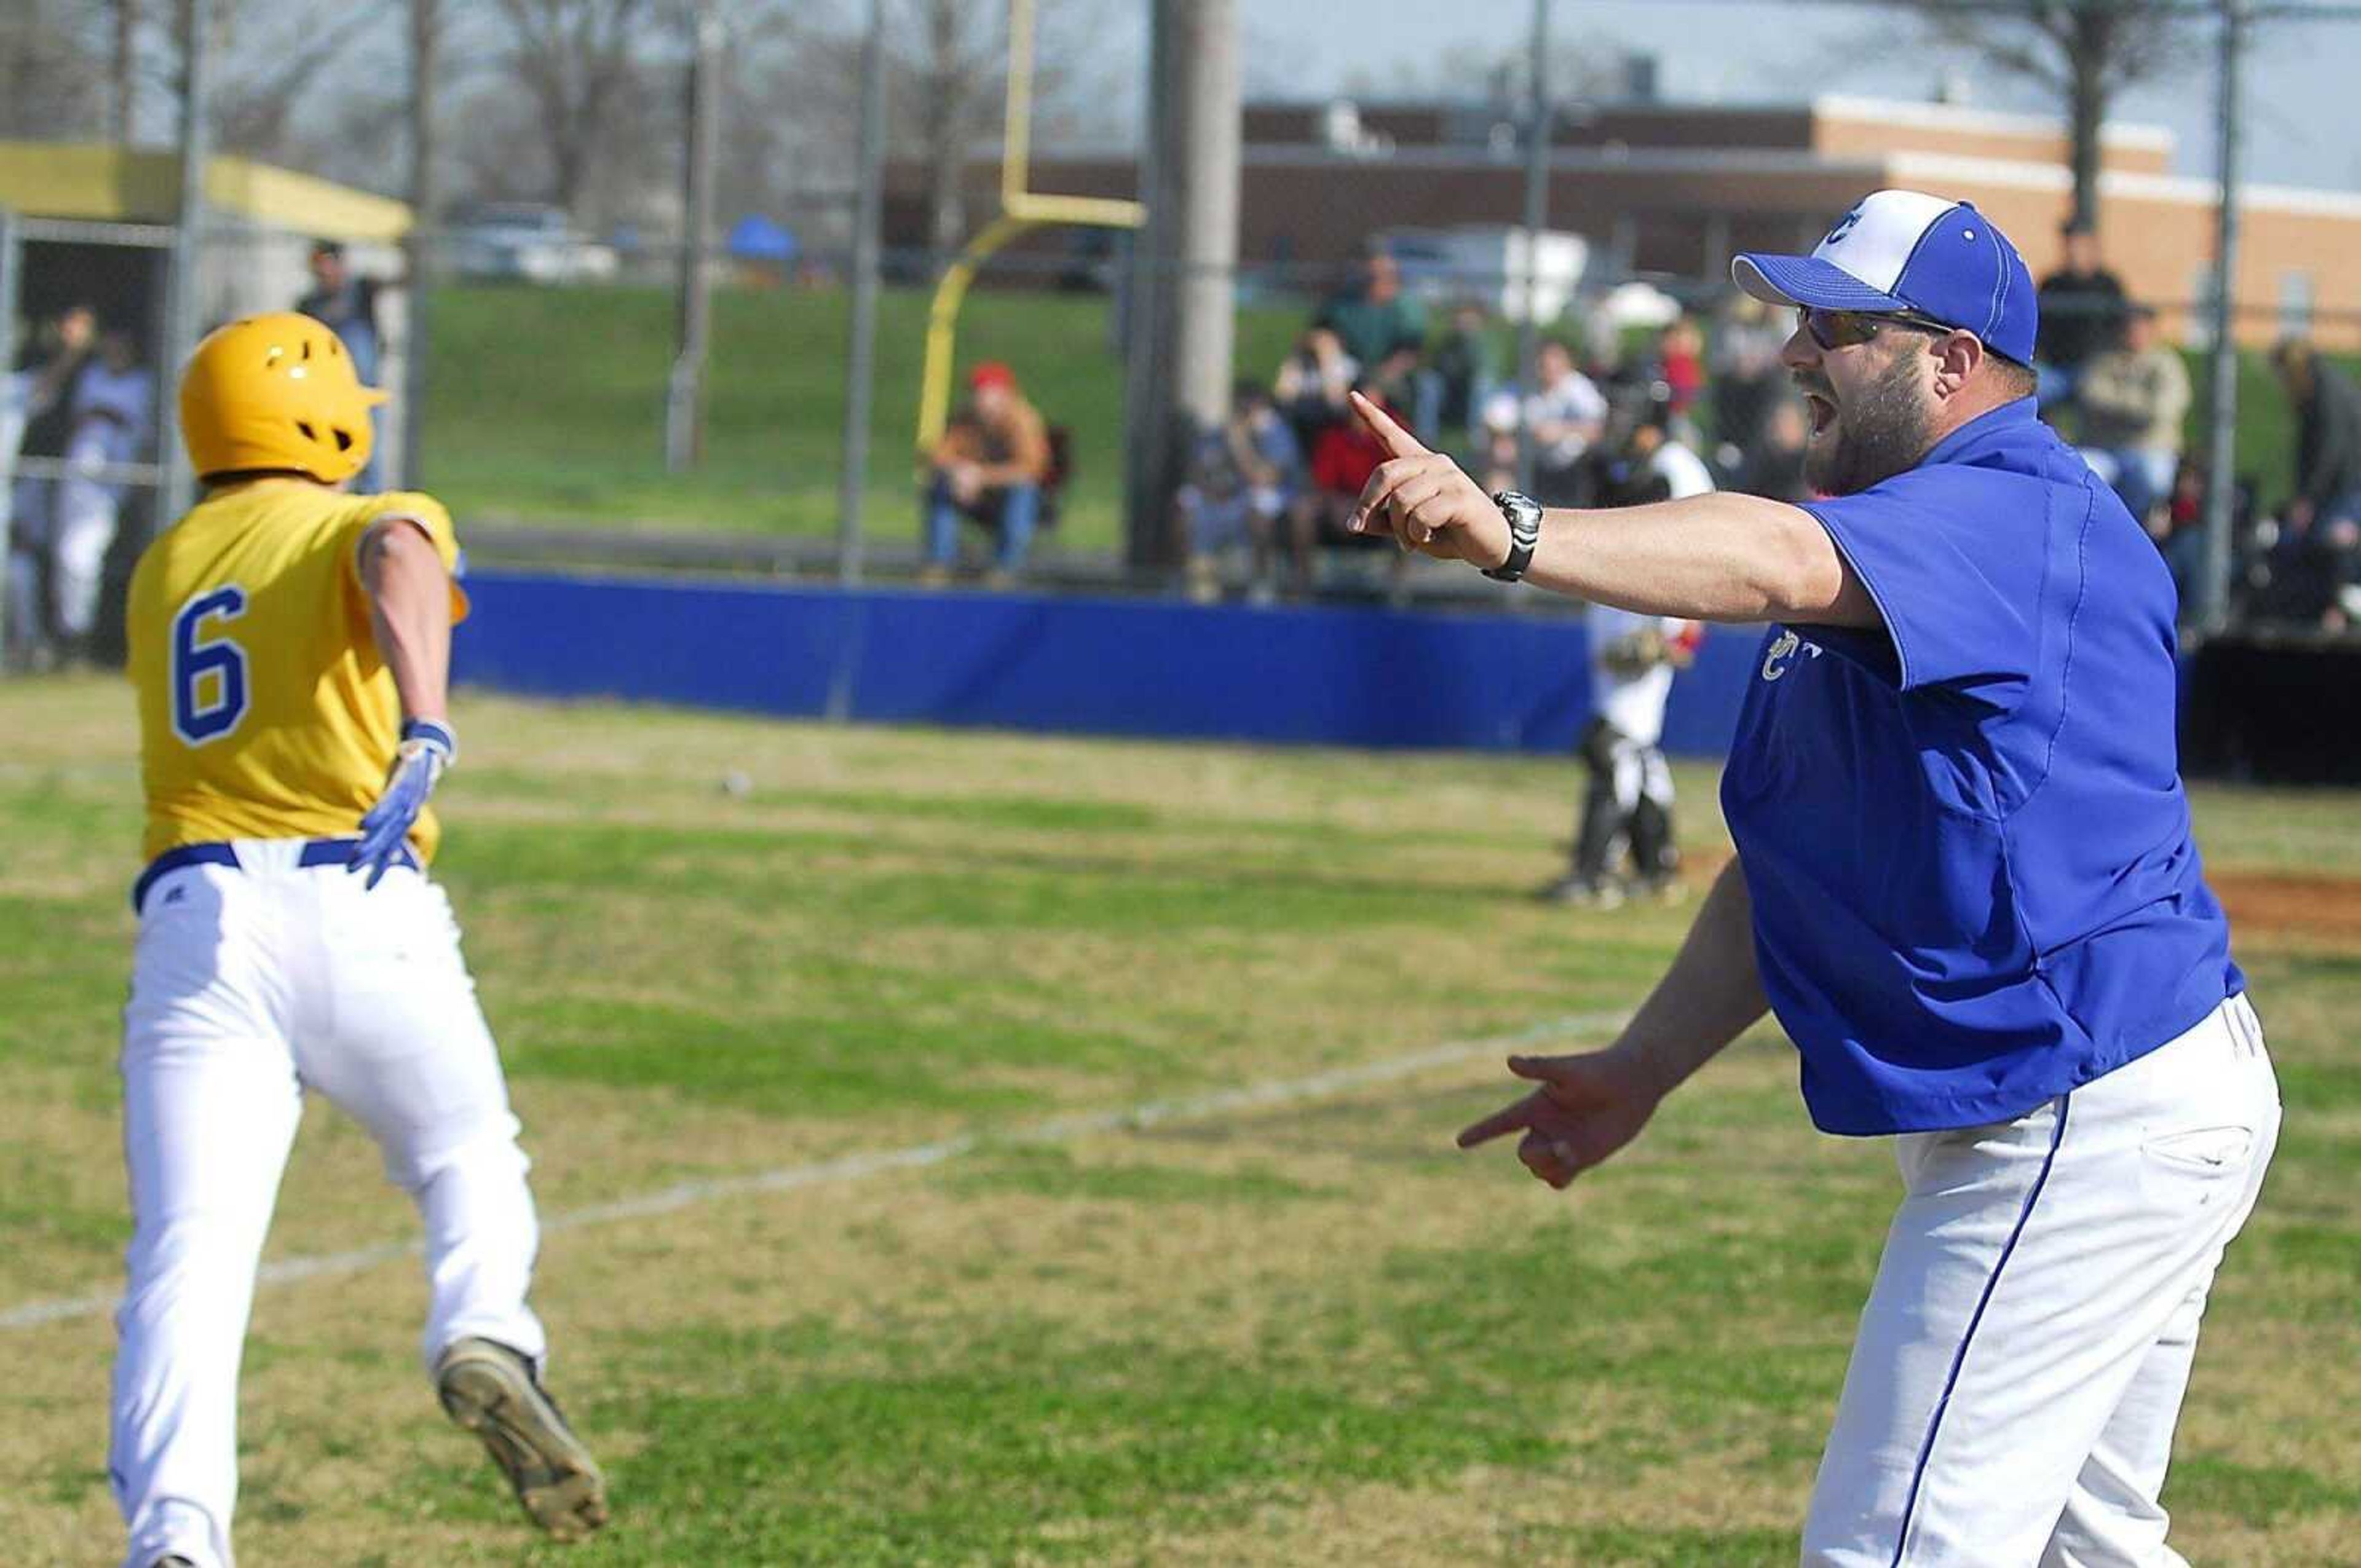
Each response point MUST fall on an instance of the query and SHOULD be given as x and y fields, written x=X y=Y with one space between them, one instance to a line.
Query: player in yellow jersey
x=290 y=644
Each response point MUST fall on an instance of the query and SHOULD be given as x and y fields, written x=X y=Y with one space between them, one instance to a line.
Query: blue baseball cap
x=1905 y=250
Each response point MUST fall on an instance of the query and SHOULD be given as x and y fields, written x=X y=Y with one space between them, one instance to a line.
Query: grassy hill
x=546 y=405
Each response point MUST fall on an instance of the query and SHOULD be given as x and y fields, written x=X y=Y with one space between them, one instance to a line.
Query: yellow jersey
x=265 y=711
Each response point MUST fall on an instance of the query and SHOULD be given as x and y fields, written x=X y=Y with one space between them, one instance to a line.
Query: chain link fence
x=559 y=405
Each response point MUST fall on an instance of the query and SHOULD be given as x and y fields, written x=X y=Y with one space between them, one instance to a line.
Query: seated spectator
x=1312 y=382
x=2178 y=526
x=2328 y=434
x=1342 y=461
x=1370 y=315
x=1748 y=378
x=2320 y=539
x=988 y=468
x=1774 y=466
x=2133 y=400
x=1566 y=412
x=1680 y=365
x=2081 y=312
x=1458 y=378
x=1244 y=478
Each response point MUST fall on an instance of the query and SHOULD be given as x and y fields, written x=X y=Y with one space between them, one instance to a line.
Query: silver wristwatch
x=1524 y=515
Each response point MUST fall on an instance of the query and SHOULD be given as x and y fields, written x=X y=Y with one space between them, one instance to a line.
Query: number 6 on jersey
x=195 y=717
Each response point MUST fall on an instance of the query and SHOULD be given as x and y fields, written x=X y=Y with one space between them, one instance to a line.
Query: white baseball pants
x=251 y=982
x=2020 y=1362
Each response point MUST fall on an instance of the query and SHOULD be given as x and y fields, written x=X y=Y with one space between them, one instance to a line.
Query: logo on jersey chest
x=1781 y=655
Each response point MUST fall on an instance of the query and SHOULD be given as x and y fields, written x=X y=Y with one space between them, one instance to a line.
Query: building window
x=2295 y=305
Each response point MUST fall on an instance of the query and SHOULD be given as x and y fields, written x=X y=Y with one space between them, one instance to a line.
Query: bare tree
x=123 y=75
x=579 y=63
x=959 y=58
x=52 y=70
x=2084 y=52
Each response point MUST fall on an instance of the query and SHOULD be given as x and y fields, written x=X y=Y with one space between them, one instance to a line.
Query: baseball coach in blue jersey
x=1965 y=885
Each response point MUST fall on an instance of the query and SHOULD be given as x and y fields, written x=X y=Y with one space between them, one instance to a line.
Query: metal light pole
x=685 y=392
x=183 y=308
x=425 y=37
x=2213 y=581
x=1537 y=154
x=1184 y=300
x=860 y=368
x=9 y=256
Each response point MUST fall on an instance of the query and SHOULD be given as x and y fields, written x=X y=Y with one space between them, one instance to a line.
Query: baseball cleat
x=491 y=1391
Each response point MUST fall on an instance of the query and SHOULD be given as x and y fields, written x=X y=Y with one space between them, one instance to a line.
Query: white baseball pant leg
x=409 y=1055
x=2022 y=1358
x=248 y=982
x=210 y=1105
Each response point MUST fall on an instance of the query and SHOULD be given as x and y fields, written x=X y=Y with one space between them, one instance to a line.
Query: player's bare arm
x=409 y=612
x=1718 y=557
x=1590 y=1105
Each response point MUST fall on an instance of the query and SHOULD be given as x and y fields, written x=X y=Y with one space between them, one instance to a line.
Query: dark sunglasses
x=1844 y=329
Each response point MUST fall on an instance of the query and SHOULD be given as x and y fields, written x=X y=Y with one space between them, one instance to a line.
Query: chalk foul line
x=857 y=1166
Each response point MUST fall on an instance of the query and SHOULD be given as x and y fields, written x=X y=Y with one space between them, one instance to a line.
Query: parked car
x=528 y=241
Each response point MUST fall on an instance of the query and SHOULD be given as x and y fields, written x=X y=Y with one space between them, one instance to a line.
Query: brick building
x=1672 y=190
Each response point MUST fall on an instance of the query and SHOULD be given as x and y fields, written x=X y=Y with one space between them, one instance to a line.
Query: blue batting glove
x=427 y=748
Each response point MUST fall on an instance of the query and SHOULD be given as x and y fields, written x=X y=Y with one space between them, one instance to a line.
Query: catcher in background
x=290 y=648
x=1628 y=804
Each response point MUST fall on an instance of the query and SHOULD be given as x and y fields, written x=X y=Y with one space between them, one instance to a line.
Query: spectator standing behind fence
x=112 y=411
x=1458 y=378
x=1244 y=478
x=2314 y=560
x=1627 y=804
x=2134 y=398
x=988 y=469
x=2081 y=314
x=1566 y=412
x=347 y=305
x=34 y=422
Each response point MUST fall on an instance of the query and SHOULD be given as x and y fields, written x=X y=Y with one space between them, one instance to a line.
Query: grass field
x=547 y=405
x=1251 y=1332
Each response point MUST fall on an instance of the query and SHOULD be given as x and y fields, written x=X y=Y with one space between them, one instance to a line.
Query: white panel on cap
x=1874 y=240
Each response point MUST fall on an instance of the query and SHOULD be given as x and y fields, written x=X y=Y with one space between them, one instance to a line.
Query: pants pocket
x=2202 y=1151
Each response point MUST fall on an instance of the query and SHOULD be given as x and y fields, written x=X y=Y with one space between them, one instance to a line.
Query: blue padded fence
x=1312 y=674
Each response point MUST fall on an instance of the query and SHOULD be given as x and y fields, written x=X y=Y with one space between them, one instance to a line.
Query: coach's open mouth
x=1823 y=411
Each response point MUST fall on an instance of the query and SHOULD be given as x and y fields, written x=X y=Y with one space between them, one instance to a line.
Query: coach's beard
x=1880 y=432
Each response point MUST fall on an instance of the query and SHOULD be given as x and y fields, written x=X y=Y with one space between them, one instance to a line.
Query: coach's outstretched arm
x=409 y=613
x=1590 y=1105
x=1709 y=557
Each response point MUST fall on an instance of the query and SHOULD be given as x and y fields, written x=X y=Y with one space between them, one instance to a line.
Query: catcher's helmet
x=275 y=392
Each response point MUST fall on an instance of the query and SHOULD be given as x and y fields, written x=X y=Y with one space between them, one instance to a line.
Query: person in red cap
x=988 y=467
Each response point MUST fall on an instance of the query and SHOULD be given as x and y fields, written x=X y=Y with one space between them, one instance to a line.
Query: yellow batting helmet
x=275 y=392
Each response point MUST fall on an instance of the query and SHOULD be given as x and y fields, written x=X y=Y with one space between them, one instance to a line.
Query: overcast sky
x=2301 y=77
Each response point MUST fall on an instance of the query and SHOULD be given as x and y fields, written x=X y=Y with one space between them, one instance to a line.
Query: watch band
x=1524 y=515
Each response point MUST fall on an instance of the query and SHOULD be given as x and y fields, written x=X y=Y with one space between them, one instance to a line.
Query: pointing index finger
x=1398 y=441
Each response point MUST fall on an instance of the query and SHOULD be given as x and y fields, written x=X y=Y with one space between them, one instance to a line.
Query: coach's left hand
x=1425 y=500
x=427 y=748
x=1587 y=1107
